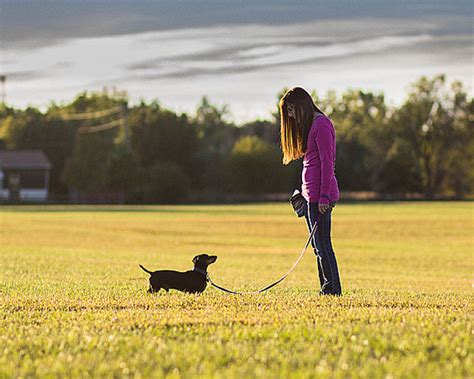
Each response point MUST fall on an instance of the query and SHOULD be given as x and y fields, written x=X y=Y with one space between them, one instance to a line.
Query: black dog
x=194 y=281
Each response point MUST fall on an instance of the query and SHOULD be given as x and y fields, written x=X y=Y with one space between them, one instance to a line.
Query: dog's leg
x=153 y=290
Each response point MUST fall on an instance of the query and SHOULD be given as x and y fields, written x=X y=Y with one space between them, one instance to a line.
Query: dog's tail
x=144 y=269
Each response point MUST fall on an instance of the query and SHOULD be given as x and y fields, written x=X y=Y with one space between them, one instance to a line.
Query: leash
x=313 y=231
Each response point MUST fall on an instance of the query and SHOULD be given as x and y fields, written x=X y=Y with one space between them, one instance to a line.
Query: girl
x=306 y=132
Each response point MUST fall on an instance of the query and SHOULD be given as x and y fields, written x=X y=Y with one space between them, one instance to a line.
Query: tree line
x=424 y=146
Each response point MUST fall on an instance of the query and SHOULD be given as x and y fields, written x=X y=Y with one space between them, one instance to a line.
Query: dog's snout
x=212 y=259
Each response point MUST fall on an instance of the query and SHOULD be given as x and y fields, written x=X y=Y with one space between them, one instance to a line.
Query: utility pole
x=3 y=79
x=125 y=126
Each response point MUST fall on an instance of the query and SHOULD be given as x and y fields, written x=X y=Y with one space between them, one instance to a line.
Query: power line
x=99 y=128
x=91 y=115
x=122 y=121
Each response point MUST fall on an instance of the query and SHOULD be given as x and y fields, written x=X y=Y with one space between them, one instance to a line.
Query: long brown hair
x=297 y=113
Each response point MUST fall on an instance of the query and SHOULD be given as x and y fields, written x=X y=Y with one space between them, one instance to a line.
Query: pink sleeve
x=325 y=142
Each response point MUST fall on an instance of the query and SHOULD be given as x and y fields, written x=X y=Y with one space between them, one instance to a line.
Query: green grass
x=73 y=301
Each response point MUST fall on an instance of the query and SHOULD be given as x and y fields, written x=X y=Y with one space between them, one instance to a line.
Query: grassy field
x=73 y=301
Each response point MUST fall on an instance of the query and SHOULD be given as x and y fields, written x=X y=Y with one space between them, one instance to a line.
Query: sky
x=239 y=53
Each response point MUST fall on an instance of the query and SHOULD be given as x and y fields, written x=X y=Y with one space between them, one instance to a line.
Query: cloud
x=256 y=57
x=215 y=51
x=26 y=75
x=26 y=24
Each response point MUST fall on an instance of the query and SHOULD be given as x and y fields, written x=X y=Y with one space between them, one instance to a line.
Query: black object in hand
x=298 y=203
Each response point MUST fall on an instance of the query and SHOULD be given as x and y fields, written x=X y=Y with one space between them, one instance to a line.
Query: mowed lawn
x=73 y=301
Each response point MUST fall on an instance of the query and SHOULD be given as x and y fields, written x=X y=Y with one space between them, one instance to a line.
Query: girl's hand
x=323 y=208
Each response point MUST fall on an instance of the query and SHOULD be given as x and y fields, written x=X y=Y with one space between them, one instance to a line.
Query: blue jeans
x=321 y=242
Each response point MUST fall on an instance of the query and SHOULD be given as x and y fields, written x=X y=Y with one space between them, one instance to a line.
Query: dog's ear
x=211 y=259
x=195 y=259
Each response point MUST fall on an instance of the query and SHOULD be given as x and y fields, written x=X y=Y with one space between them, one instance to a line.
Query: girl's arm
x=325 y=142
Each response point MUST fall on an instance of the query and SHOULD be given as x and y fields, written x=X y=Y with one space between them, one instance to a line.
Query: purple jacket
x=318 y=177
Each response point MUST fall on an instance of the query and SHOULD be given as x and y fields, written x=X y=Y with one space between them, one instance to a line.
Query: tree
x=263 y=129
x=86 y=169
x=216 y=138
x=123 y=171
x=254 y=166
x=435 y=123
x=360 y=121
x=87 y=166
x=460 y=178
x=164 y=182
x=160 y=135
